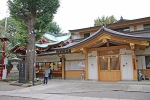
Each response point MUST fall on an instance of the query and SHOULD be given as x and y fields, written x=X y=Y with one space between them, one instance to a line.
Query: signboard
x=74 y=65
x=22 y=72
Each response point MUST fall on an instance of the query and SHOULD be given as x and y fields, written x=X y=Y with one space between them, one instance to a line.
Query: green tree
x=14 y=32
x=33 y=15
x=104 y=20
x=53 y=28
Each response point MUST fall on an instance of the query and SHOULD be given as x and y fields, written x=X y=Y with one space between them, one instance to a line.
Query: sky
x=77 y=14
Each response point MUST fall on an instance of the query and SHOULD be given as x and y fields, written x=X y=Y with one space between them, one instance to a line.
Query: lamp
x=14 y=62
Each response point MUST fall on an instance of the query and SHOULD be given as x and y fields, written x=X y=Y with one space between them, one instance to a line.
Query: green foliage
x=104 y=20
x=40 y=12
x=15 y=33
x=9 y=65
x=54 y=28
x=2 y=30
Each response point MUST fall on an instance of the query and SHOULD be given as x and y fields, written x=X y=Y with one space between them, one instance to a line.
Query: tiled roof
x=126 y=35
x=141 y=33
x=108 y=31
x=56 y=40
x=124 y=21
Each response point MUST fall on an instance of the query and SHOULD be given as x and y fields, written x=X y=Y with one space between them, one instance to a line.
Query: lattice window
x=103 y=63
x=114 y=64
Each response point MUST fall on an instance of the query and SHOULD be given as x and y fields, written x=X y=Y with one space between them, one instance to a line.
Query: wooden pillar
x=86 y=66
x=134 y=67
x=135 y=28
x=63 y=66
x=98 y=65
x=80 y=35
x=3 y=57
x=107 y=42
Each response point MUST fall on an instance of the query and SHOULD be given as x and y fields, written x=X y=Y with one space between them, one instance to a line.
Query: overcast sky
x=76 y=14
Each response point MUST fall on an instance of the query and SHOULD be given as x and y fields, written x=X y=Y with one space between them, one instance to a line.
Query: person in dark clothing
x=50 y=74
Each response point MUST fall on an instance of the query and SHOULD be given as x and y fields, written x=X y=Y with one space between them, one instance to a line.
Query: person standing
x=50 y=74
x=46 y=75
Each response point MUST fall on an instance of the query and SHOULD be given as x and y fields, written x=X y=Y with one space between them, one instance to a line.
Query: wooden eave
x=4 y=39
x=106 y=35
x=19 y=49
x=114 y=25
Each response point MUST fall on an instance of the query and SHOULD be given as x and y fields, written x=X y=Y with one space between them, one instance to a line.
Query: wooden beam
x=63 y=66
x=84 y=50
x=129 y=40
x=104 y=36
x=107 y=42
x=86 y=66
x=140 y=47
x=91 y=42
x=109 y=48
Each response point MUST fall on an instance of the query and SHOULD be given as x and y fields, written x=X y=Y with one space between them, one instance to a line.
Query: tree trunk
x=31 y=49
x=30 y=56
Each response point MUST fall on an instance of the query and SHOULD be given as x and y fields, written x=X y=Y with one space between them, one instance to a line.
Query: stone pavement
x=84 y=90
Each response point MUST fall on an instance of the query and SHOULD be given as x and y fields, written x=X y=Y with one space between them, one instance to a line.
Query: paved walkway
x=85 y=90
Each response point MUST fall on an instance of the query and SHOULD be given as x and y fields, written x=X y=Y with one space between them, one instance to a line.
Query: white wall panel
x=76 y=36
x=140 y=27
x=124 y=51
x=140 y=52
x=141 y=62
x=131 y=28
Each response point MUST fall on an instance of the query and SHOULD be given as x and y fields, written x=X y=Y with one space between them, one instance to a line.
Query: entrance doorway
x=109 y=68
x=127 y=69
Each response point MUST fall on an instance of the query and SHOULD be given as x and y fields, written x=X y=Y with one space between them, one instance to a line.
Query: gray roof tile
x=145 y=36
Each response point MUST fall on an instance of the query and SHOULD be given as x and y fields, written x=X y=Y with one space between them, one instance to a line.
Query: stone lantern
x=14 y=73
x=15 y=61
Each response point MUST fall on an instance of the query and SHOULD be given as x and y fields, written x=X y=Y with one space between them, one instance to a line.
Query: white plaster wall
x=124 y=51
x=140 y=27
x=131 y=28
x=75 y=56
x=49 y=58
x=92 y=66
x=141 y=62
x=76 y=36
x=140 y=52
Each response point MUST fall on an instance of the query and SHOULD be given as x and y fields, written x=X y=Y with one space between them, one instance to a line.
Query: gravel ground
x=99 y=90
x=15 y=98
x=114 y=94
x=4 y=86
